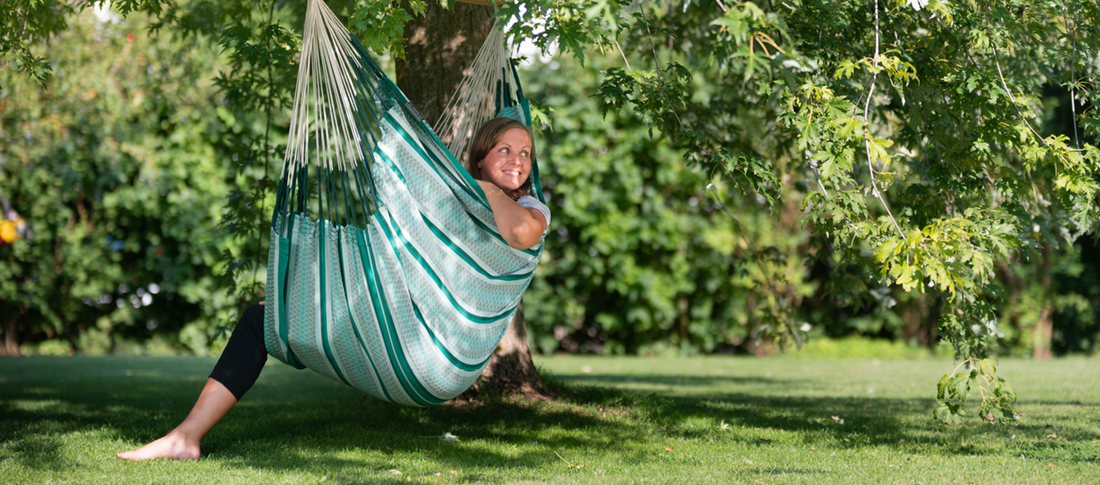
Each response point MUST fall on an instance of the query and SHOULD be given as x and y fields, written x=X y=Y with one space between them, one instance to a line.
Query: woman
x=500 y=159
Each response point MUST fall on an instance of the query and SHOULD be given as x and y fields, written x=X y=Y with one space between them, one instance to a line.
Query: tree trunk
x=11 y=340
x=441 y=44
x=511 y=372
x=1044 y=327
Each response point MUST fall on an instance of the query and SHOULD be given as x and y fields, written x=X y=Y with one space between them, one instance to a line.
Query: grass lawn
x=627 y=420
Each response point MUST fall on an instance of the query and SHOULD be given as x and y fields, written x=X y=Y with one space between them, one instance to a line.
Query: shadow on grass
x=39 y=452
x=839 y=422
x=590 y=379
x=298 y=421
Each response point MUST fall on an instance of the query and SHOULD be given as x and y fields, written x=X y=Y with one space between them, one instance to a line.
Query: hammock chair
x=402 y=286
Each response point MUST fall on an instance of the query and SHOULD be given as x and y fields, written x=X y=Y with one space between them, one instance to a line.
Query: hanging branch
x=623 y=54
x=18 y=42
x=1012 y=99
x=267 y=136
x=660 y=81
x=866 y=130
x=1073 y=75
x=768 y=280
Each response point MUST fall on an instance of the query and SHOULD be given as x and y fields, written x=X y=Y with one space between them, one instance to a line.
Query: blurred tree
x=640 y=259
x=114 y=167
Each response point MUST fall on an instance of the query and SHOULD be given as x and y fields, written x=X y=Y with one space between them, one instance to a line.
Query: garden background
x=130 y=153
x=843 y=187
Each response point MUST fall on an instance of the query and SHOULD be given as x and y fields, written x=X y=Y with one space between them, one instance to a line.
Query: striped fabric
x=410 y=307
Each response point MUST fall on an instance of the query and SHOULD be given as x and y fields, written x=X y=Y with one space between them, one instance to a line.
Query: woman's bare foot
x=183 y=442
x=173 y=445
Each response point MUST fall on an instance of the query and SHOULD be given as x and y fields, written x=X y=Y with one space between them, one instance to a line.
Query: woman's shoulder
x=529 y=201
x=533 y=203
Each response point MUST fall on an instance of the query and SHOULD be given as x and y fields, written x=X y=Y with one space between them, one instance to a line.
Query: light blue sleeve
x=533 y=203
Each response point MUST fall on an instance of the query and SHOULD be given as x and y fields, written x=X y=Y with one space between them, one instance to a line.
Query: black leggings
x=245 y=354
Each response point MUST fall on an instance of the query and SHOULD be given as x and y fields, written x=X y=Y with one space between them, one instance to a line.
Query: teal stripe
x=284 y=265
x=280 y=295
x=447 y=352
x=536 y=182
x=355 y=326
x=465 y=257
x=439 y=282
x=470 y=186
x=324 y=304
x=396 y=353
x=494 y=232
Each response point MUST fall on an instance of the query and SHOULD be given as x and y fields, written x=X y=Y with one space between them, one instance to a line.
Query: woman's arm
x=520 y=226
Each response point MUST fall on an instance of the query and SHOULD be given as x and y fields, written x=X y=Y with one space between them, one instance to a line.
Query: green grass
x=628 y=420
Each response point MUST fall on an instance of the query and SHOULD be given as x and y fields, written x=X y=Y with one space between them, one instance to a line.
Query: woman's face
x=509 y=162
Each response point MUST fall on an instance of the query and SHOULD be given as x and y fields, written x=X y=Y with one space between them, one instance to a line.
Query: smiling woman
x=500 y=159
x=402 y=286
x=501 y=153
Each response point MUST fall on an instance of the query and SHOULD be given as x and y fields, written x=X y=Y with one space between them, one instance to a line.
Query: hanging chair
x=401 y=285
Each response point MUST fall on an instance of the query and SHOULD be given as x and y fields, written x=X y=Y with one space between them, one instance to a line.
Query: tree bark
x=441 y=45
x=510 y=372
x=1044 y=327
x=11 y=338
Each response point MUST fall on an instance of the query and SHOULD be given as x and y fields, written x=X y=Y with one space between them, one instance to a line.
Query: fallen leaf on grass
x=454 y=472
x=669 y=449
x=572 y=466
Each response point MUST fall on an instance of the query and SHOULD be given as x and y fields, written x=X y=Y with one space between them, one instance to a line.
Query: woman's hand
x=520 y=226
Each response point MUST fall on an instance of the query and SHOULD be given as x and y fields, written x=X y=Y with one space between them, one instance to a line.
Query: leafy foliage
x=641 y=258
x=880 y=105
x=922 y=146
x=21 y=23
x=115 y=167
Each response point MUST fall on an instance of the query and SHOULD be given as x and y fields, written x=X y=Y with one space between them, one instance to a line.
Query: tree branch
x=866 y=130
x=19 y=41
x=660 y=81
x=1073 y=76
x=267 y=133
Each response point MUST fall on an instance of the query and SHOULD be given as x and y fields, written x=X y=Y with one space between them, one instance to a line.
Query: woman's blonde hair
x=486 y=138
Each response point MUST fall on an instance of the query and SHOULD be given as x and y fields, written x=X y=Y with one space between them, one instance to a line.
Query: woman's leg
x=182 y=443
x=235 y=372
